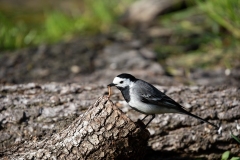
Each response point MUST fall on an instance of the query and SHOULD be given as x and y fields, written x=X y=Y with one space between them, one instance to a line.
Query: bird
x=147 y=99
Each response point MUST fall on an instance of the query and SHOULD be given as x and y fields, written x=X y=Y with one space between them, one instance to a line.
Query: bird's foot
x=141 y=124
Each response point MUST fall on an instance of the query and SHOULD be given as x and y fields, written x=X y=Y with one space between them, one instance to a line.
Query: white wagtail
x=147 y=99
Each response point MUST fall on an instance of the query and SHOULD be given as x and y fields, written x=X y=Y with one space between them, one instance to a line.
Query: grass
x=225 y=13
x=96 y=16
x=200 y=40
x=14 y=35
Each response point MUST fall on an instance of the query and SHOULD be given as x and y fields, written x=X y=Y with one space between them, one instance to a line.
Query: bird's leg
x=153 y=116
x=145 y=117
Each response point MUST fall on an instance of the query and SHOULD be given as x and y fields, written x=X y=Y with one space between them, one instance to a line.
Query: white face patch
x=121 y=82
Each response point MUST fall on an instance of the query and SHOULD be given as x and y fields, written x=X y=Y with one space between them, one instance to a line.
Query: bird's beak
x=111 y=84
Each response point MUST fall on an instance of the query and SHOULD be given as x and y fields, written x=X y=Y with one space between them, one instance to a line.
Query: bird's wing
x=162 y=100
x=151 y=95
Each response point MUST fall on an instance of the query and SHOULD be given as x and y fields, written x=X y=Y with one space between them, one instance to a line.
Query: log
x=38 y=112
x=102 y=132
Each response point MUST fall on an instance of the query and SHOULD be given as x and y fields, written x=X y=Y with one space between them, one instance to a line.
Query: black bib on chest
x=125 y=93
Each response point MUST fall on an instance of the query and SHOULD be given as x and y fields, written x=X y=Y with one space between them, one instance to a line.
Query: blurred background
x=167 y=42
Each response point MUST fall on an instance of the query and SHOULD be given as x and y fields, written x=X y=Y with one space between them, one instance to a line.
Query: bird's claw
x=141 y=124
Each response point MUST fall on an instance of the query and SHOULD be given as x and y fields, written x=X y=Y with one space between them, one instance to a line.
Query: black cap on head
x=127 y=76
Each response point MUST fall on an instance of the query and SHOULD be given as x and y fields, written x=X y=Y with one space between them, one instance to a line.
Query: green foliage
x=225 y=12
x=96 y=16
x=210 y=44
x=57 y=25
x=234 y=137
x=226 y=154
x=14 y=35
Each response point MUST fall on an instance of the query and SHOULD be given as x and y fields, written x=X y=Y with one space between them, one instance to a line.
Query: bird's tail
x=203 y=120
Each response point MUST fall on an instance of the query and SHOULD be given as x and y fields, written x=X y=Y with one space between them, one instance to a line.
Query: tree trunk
x=102 y=132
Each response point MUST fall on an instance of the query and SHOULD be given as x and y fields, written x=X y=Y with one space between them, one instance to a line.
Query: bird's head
x=123 y=80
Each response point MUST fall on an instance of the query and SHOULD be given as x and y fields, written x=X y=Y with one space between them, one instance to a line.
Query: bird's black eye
x=121 y=82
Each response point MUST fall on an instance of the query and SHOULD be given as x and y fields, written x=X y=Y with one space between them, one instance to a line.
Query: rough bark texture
x=38 y=114
x=102 y=132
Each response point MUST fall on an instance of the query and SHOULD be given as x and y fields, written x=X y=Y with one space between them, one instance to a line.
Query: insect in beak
x=109 y=89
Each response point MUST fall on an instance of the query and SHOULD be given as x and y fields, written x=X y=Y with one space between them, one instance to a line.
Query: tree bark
x=102 y=132
x=38 y=114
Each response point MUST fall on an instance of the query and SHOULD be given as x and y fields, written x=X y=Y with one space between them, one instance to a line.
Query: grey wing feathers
x=150 y=94
x=148 y=91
